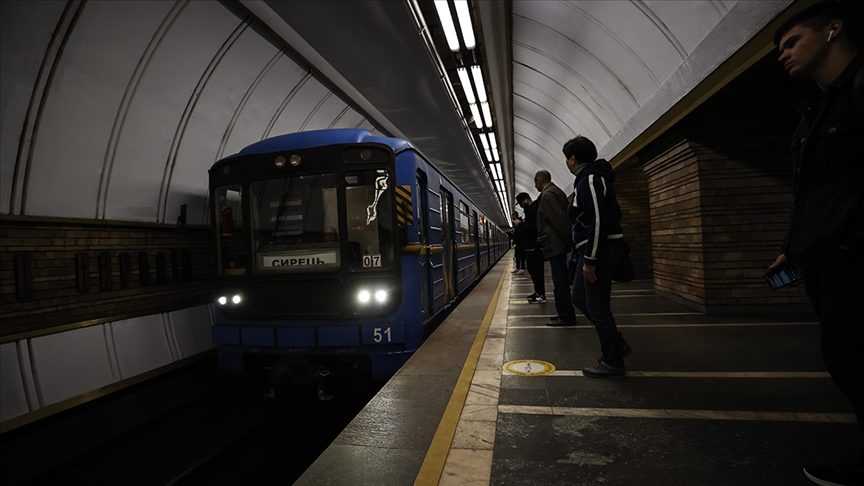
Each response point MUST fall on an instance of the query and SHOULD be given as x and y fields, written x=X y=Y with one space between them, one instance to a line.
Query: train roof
x=321 y=138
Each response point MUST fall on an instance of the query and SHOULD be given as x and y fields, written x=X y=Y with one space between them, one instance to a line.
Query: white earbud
x=830 y=34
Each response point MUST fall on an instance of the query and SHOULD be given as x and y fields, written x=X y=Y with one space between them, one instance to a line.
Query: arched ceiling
x=114 y=110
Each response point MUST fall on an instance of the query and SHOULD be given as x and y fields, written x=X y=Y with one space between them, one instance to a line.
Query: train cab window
x=295 y=223
x=370 y=219
x=231 y=250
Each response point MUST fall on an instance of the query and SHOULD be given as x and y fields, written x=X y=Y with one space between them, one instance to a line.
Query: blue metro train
x=338 y=249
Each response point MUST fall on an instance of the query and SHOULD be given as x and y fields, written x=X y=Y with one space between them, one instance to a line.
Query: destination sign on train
x=299 y=260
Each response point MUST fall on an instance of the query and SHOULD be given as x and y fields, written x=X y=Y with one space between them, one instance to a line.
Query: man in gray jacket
x=553 y=234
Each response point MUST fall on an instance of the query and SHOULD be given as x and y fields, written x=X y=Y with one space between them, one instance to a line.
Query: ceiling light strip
x=465 y=23
x=447 y=24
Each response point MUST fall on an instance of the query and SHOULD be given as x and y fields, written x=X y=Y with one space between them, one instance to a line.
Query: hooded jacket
x=594 y=210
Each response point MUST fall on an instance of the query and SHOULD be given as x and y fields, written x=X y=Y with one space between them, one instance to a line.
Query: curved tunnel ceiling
x=114 y=110
x=601 y=69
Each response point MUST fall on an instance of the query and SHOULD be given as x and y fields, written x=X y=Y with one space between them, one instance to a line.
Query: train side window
x=464 y=223
x=370 y=219
x=228 y=209
x=446 y=218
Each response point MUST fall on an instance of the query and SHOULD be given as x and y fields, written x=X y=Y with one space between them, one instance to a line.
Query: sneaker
x=843 y=475
x=520 y=272
x=536 y=299
x=603 y=370
x=557 y=321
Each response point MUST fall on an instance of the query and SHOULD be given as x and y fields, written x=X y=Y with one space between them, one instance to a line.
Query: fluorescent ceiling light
x=492 y=141
x=488 y=156
x=487 y=114
x=476 y=113
x=466 y=84
x=495 y=154
x=485 y=141
x=465 y=23
x=447 y=23
x=478 y=83
x=498 y=170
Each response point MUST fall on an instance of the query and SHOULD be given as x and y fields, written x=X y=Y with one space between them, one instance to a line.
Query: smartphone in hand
x=783 y=276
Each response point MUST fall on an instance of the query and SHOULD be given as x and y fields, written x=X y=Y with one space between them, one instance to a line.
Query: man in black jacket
x=533 y=253
x=600 y=243
x=826 y=231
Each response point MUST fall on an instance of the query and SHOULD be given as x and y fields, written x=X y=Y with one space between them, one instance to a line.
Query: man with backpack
x=600 y=245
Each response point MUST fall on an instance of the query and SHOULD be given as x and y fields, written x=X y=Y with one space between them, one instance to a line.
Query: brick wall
x=60 y=294
x=720 y=189
x=676 y=218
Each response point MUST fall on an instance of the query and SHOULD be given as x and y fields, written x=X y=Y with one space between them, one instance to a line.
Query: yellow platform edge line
x=436 y=456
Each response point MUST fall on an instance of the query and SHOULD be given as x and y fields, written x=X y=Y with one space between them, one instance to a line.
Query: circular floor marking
x=529 y=367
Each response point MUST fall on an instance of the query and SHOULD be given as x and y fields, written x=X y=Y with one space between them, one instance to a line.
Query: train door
x=425 y=257
x=447 y=234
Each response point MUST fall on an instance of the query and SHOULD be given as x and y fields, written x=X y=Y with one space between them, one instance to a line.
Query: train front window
x=295 y=224
x=231 y=252
x=368 y=204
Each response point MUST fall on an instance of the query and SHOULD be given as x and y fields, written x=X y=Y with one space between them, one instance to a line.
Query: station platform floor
x=708 y=400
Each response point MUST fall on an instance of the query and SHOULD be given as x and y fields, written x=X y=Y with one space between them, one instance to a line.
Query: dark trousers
x=563 y=305
x=835 y=287
x=520 y=257
x=593 y=299
x=535 y=269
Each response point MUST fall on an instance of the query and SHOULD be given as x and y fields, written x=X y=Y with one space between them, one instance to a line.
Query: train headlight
x=230 y=300
x=295 y=160
x=374 y=296
x=370 y=295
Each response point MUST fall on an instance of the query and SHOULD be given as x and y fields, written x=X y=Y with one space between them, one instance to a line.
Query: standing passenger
x=533 y=254
x=826 y=231
x=519 y=244
x=600 y=245
x=553 y=233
